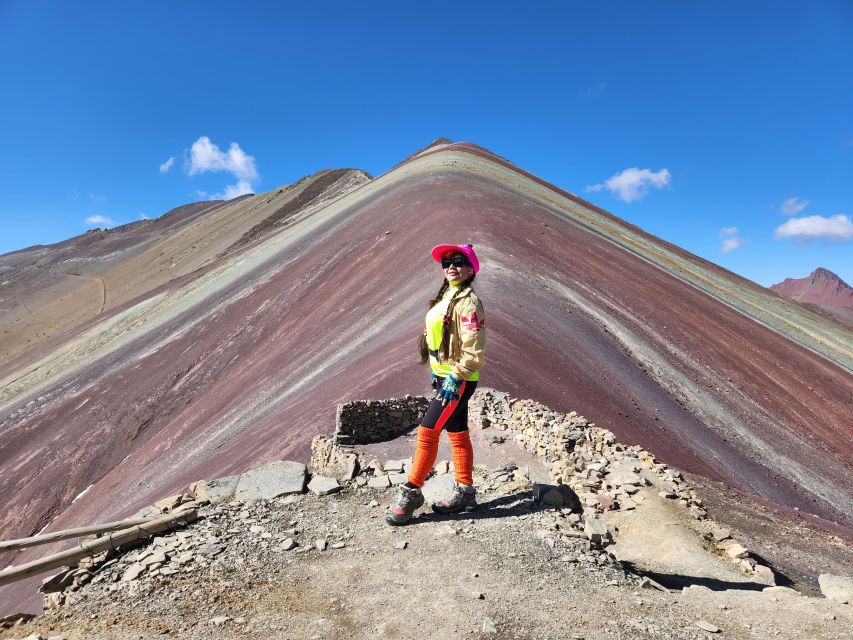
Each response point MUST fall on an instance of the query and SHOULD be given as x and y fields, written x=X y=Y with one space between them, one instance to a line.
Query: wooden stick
x=79 y=532
x=90 y=548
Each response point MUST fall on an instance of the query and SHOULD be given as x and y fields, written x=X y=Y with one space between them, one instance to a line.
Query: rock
x=288 y=544
x=489 y=627
x=479 y=595
x=272 y=480
x=558 y=496
x=836 y=587
x=437 y=488
x=628 y=478
x=219 y=621
x=323 y=485
x=215 y=491
x=494 y=438
x=351 y=468
x=154 y=558
x=339 y=545
x=168 y=504
x=132 y=572
x=597 y=531
x=375 y=466
x=719 y=534
x=398 y=478
x=736 y=551
x=379 y=482
x=764 y=575
x=320 y=544
x=648 y=583
x=394 y=466
x=402 y=544
x=707 y=626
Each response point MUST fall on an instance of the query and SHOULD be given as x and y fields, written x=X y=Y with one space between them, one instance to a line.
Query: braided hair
x=444 y=347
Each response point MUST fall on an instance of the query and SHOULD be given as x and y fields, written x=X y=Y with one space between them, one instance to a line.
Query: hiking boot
x=408 y=500
x=463 y=498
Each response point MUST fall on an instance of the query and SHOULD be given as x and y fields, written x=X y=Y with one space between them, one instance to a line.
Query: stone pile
x=605 y=474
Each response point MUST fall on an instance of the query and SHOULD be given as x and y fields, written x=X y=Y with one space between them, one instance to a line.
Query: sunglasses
x=458 y=261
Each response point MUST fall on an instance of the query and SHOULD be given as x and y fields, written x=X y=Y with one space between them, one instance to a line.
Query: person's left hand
x=449 y=390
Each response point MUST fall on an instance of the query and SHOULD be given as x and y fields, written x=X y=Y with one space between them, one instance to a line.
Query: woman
x=454 y=341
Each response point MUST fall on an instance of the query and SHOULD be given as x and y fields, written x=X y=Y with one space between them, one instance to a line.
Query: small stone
x=719 y=534
x=132 y=572
x=373 y=503
x=648 y=583
x=597 y=531
x=489 y=627
x=320 y=544
x=764 y=575
x=478 y=595
x=339 y=545
x=168 y=504
x=736 y=551
x=402 y=544
x=707 y=626
x=323 y=485
x=288 y=544
x=219 y=621
x=394 y=466
x=379 y=482
x=397 y=478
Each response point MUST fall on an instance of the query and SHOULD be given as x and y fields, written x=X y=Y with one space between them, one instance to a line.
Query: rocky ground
x=308 y=566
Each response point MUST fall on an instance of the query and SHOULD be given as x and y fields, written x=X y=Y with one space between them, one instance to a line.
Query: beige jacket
x=467 y=335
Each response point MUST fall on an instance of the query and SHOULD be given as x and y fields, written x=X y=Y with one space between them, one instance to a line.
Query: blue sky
x=709 y=125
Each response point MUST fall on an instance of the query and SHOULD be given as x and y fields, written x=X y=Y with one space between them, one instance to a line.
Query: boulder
x=836 y=587
x=215 y=491
x=272 y=480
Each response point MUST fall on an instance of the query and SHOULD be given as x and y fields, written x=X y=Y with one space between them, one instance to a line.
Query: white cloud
x=835 y=229
x=73 y=195
x=164 y=168
x=731 y=240
x=206 y=156
x=233 y=190
x=142 y=216
x=97 y=197
x=634 y=183
x=100 y=221
x=792 y=206
x=730 y=244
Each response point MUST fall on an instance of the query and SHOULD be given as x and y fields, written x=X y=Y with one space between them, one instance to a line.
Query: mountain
x=822 y=288
x=221 y=336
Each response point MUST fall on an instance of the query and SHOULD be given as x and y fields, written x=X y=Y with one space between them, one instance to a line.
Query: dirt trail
x=490 y=574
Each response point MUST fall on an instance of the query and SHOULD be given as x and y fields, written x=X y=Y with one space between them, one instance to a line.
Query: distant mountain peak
x=821 y=287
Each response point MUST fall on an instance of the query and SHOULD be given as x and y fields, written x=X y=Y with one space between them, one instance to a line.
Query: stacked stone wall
x=364 y=422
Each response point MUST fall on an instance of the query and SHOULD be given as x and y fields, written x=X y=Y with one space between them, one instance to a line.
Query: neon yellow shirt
x=434 y=322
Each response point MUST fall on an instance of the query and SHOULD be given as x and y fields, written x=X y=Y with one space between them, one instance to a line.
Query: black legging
x=453 y=416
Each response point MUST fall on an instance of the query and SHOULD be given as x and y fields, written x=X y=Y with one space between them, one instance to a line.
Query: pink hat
x=442 y=250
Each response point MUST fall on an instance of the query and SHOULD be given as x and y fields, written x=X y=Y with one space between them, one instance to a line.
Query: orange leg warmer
x=425 y=453
x=463 y=456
